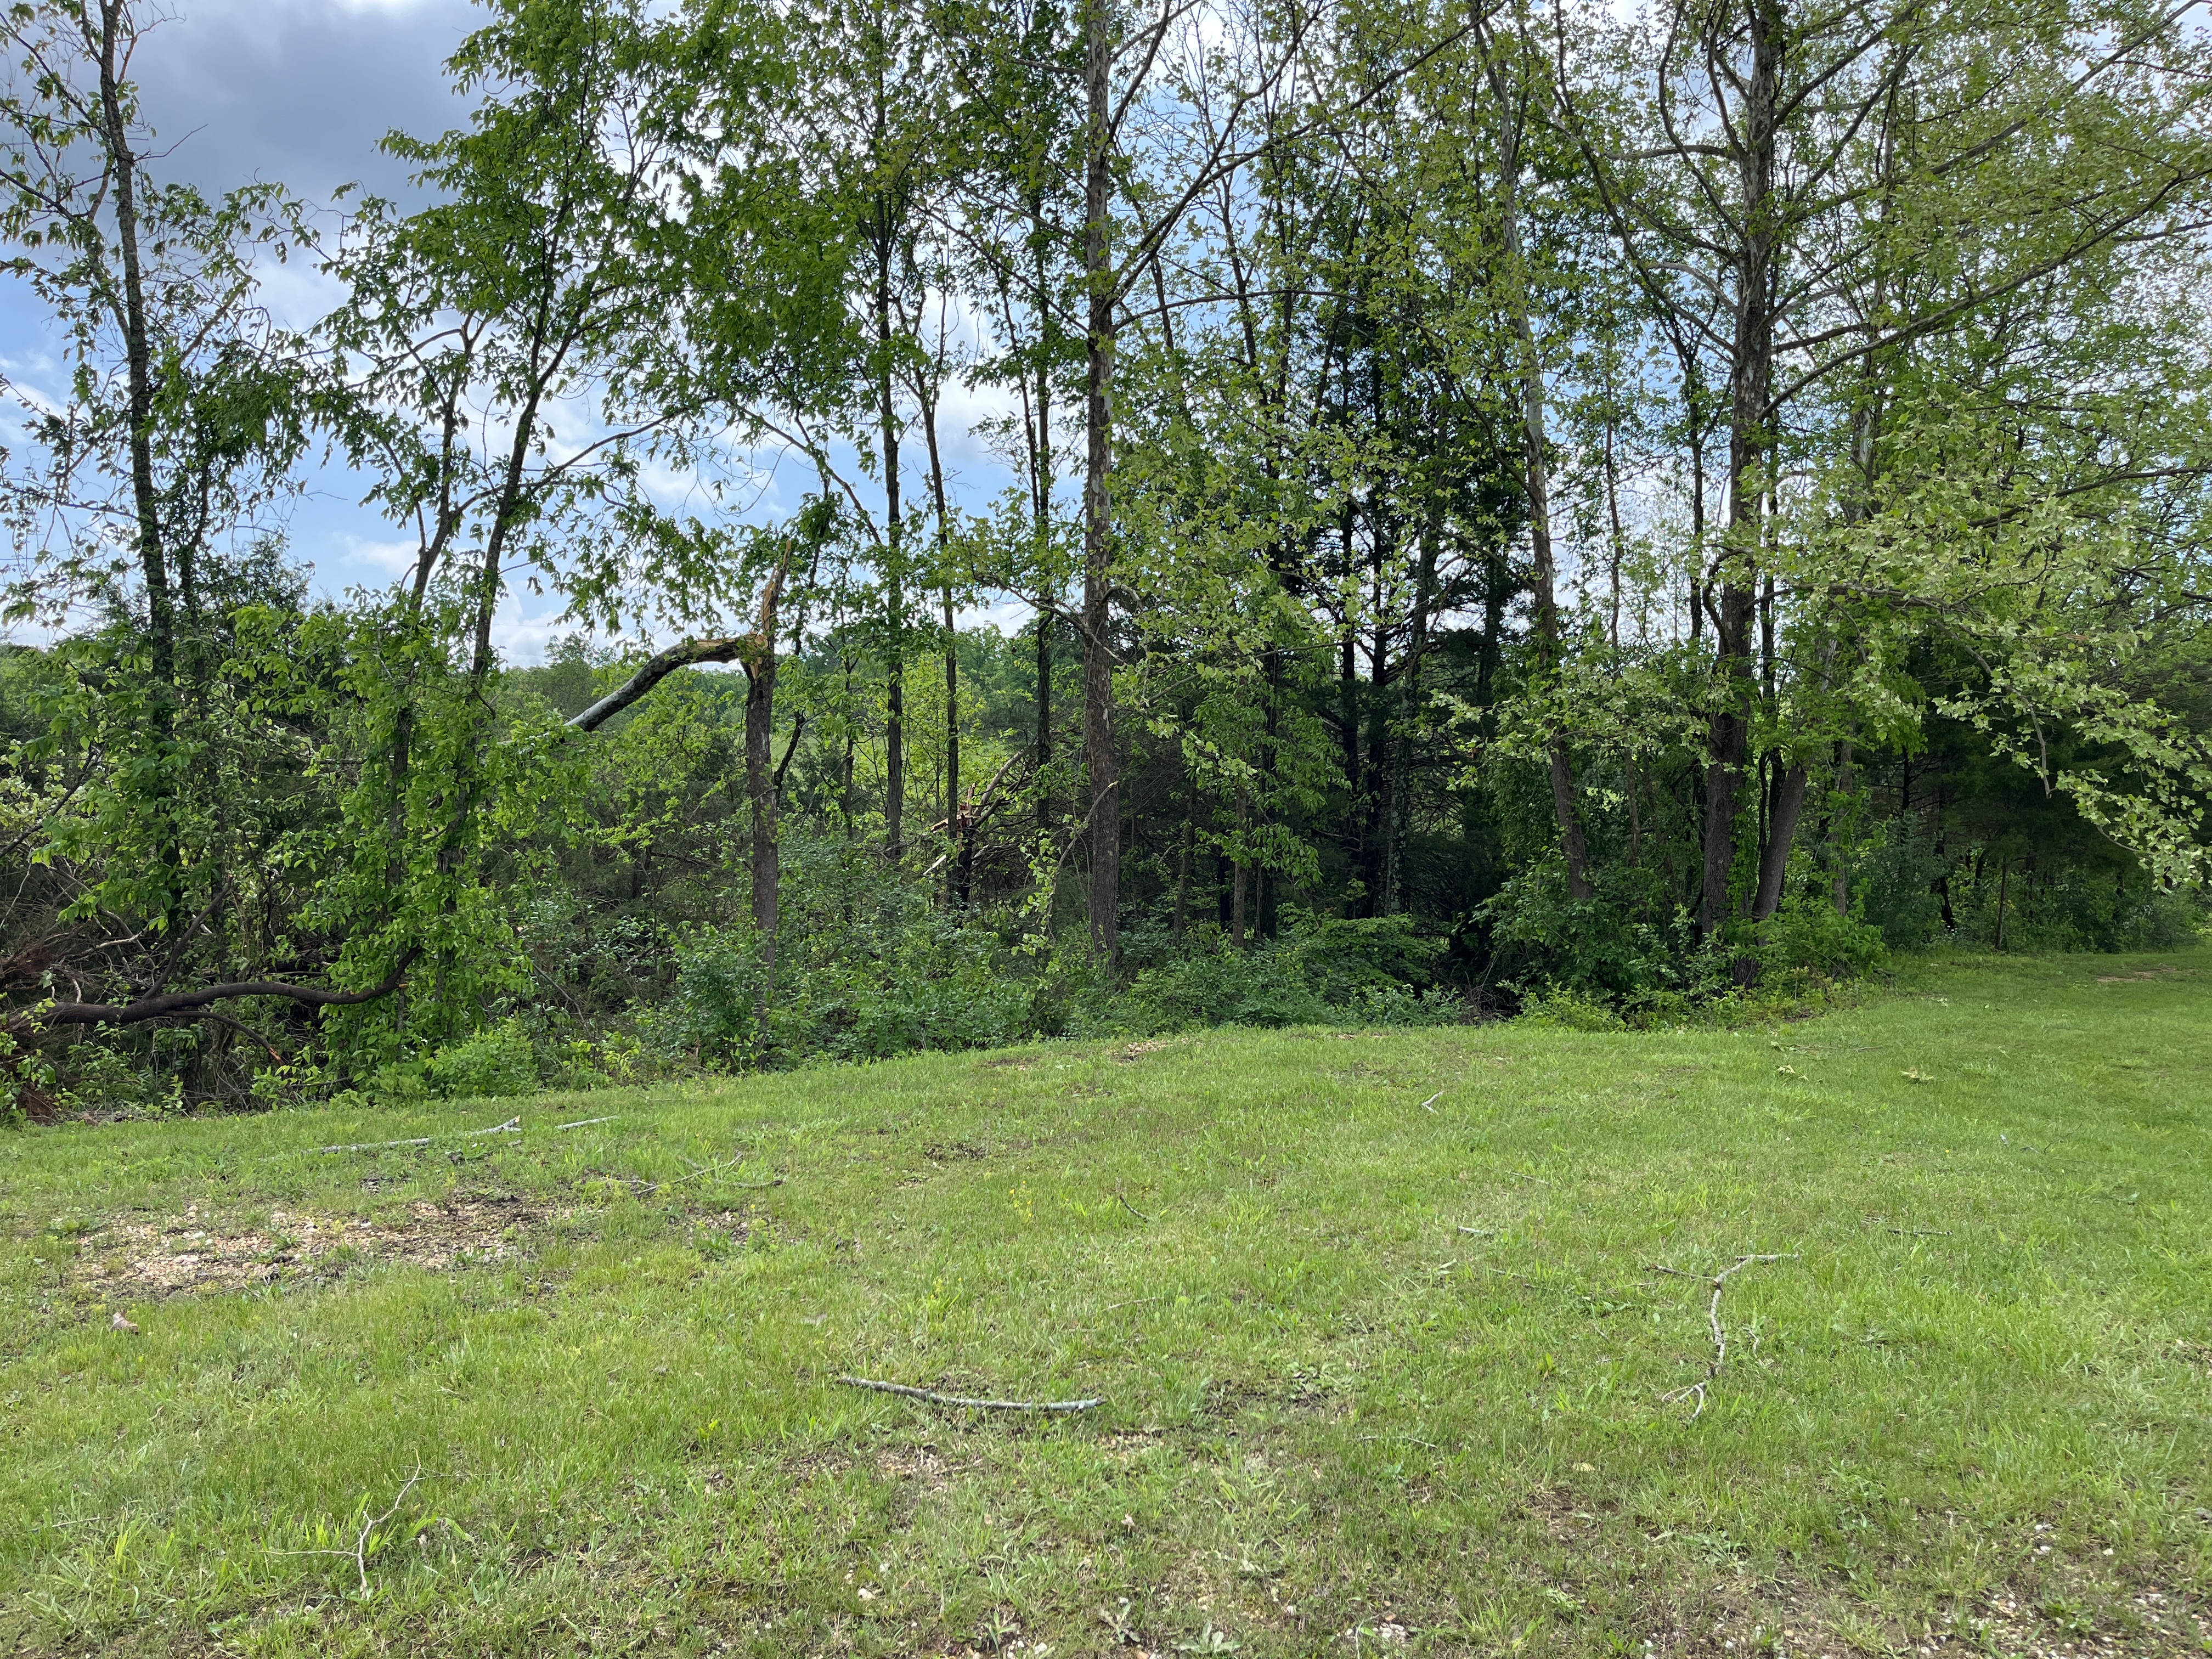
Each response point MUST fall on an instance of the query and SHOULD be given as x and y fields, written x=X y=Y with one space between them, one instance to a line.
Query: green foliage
x=1893 y=887
x=499 y=1060
x=1376 y=971
x=1625 y=943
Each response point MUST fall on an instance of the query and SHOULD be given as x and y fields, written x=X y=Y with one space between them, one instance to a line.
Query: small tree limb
x=1719 y=1282
x=936 y=1399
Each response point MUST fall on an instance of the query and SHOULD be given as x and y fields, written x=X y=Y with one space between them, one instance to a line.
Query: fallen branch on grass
x=582 y=1122
x=1430 y=1104
x=936 y=1399
x=644 y=1188
x=359 y=1553
x=512 y=1126
x=1719 y=1282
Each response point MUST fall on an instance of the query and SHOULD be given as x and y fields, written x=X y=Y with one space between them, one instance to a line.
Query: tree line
x=1510 y=506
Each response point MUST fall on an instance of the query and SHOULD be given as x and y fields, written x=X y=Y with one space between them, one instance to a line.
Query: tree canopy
x=1098 y=517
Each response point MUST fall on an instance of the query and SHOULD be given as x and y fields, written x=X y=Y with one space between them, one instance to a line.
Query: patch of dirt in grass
x=189 y=1253
x=1785 y=1618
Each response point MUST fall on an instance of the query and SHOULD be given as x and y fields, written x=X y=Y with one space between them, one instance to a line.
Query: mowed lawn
x=1378 y=1371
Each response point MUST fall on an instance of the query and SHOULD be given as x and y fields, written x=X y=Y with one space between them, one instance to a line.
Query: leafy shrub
x=1810 y=937
x=1571 y=1011
x=861 y=993
x=1224 y=986
x=1626 y=943
x=1373 y=970
x=497 y=1061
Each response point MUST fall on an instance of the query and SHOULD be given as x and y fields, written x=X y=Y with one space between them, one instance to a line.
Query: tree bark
x=651 y=672
x=1750 y=378
x=106 y=39
x=1409 y=700
x=894 y=594
x=1781 y=833
x=1098 y=522
x=760 y=665
x=1843 y=874
x=1242 y=874
x=186 y=1004
x=1535 y=473
x=963 y=862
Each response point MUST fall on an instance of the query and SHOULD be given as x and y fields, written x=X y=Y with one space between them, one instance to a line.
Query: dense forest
x=1497 y=509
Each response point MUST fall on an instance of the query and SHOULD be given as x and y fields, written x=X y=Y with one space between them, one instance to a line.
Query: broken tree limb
x=190 y=1003
x=650 y=673
x=934 y=1398
x=1719 y=1282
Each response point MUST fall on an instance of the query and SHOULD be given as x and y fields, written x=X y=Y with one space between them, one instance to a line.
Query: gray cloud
x=299 y=91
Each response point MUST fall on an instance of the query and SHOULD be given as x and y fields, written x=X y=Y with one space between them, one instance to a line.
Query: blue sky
x=299 y=91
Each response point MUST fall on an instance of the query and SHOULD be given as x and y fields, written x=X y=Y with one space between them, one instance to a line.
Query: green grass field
x=1376 y=1374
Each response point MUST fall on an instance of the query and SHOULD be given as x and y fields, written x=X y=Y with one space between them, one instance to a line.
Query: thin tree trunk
x=1750 y=378
x=1183 y=860
x=1097 y=520
x=1535 y=472
x=962 y=862
x=1409 y=702
x=1612 y=509
x=760 y=665
x=1843 y=874
x=161 y=616
x=112 y=51
x=1236 y=892
x=1042 y=745
x=894 y=572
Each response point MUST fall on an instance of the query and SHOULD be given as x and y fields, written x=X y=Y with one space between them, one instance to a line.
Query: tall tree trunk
x=760 y=664
x=113 y=25
x=1751 y=370
x=111 y=34
x=1535 y=472
x=1781 y=833
x=1097 y=518
x=1237 y=894
x=1043 y=744
x=1843 y=872
x=964 y=861
x=894 y=570
x=1409 y=706
x=1183 y=860
x=1612 y=508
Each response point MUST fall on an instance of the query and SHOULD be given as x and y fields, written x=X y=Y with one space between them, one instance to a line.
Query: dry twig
x=1430 y=1104
x=937 y=1399
x=582 y=1121
x=512 y=1126
x=359 y=1553
x=1719 y=1282
x=644 y=1188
